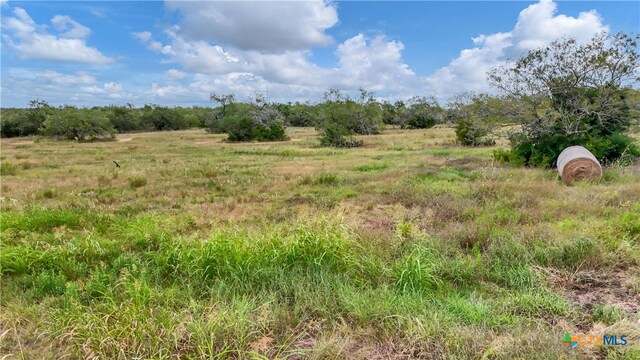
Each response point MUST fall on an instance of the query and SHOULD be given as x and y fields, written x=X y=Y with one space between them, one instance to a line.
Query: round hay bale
x=576 y=163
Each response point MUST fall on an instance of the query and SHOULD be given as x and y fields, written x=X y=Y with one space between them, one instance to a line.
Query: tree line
x=98 y=122
x=566 y=93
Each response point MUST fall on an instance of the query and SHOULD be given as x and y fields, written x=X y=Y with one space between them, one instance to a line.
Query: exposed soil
x=589 y=289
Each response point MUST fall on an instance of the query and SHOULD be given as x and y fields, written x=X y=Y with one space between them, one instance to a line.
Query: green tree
x=162 y=118
x=422 y=113
x=71 y=123
x=254 y=121
x=572 y=93
x=25 y=123
x=125 y=119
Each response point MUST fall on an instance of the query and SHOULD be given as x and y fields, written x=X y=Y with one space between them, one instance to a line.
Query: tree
x=224 y=100
x=71 y=123
x=254 y=121
x=125 y=119
x=475 y=117
x=162 y=118
x=422 y=113
x=339 y=118
x=571 y=93
x=25 y=123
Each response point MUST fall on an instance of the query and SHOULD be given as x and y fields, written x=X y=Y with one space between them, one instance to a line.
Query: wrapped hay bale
x=576 y=163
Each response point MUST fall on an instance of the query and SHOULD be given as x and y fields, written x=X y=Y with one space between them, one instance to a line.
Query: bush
x=581 y=97
x=353 y=117
x=8 y=169
x=126 y=119
x=545 y=150
x=337 y=136
x=137 y=181
x=71 y=123
x=298 y=114
x=422 y=113
x=248 y=122
x=162 y=118
x=21 y=122
x=470 y=133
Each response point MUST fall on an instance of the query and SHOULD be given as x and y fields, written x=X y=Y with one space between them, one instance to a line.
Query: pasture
x=408 y=247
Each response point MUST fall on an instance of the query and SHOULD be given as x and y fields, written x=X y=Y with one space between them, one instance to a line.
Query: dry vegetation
x=409 y=247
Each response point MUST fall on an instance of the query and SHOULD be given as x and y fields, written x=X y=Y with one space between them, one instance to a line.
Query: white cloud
x=32 y=41
x=202 y=63
x=113 y=87
x=175 y=74
x=537 y=26
x=374 y=63
x=258 y=25
x=146 y=38
x=69 y=28
x=50 y=77
x=170 y=91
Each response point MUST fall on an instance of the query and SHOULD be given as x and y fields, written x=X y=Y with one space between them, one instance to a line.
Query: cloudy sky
x=179 y=52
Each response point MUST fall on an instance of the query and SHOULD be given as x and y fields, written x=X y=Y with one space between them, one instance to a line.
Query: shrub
x=21 y=122
x=572 y=93
x=8 y=168
x=248 y=122
x=337 y=136
x=71 y=123
x=126 y=119
x=544 y=151
x=163 y=118
x=470 y=133
x=137 y=181
x=339 y=119
x=422 y=113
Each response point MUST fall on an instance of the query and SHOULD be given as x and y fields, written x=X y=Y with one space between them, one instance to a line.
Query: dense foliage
x=85 y=124
x=78 y=124
x=572 y=93
x=255 y=121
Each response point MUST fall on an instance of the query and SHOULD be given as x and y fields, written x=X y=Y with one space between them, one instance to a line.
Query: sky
x=178 y=53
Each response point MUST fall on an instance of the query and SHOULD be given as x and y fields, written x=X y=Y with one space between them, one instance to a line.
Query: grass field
x=410 y=247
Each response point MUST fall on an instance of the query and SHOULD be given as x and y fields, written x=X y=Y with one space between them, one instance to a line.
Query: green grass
x=287 y=250
x=7 y=168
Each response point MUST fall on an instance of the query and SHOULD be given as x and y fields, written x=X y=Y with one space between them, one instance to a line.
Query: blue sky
x=177 y=53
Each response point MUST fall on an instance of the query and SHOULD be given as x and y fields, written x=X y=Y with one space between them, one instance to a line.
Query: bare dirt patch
x=589 y=289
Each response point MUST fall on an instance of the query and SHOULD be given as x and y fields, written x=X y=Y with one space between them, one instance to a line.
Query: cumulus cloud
x=258 y=25
x=373 y=63
x=247 y=42
x=537 y=25
x=203 y=61
x=32 y=41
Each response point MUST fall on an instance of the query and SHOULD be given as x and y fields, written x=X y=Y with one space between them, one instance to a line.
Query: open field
x=410 y=247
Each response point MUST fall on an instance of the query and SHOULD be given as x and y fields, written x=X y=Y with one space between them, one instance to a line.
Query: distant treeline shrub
x=87 y=124
x=71 y=123
x=417 y=113
x=254 y=121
